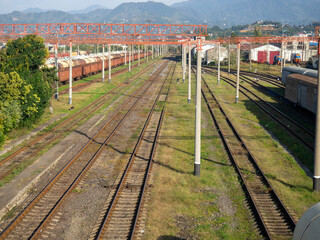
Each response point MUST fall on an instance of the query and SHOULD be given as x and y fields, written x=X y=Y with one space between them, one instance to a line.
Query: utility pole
x=138 y=54
x=56 y=65
x=183 y=63
x=218 y=62
x=125 y=54
x=103 y=63
x=197 y=150
x=238 y=72
x=284 y=54
x=281 y=64
x=250 y=55
x=70 y=74
x=189 y=75
x=316 y=175
x=109 y=63
x=129 y=58
x=229 y=58
x=132 y=57
x=148 y=53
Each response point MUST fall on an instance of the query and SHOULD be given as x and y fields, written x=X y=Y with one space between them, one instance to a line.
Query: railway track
x=81 y=85
x=120 y=220
x=265 y=89
x=296 y=129
x=32 y=148
x=278 y=96
x=30 y=221
x=259 y=76
x=264 y=77
x=273 y=219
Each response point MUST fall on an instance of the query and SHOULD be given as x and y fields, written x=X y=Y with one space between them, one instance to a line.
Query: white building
x=264 y=53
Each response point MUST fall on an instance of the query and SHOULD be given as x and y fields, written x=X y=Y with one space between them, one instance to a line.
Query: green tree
x=257 y=31
x=233 y=34
x=12 y=87
x=26 y=54
x=13 y=94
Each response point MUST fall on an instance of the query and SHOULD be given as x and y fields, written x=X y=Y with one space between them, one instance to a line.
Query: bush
x=25 y=86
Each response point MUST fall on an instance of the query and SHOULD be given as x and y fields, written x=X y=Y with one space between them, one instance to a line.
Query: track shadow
x=192 y=153
x=167 y=237
x=266 y=122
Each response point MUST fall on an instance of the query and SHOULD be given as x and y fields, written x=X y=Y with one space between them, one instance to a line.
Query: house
x=264 y=53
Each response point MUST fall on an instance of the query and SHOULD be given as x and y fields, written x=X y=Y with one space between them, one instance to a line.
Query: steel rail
x=115 y=73
x=260 y=219
x=136 y=216
x=127 y=169
x=306 y=143
x=264 y=77
x=67 y=165
x=72 y=117
x=85 y=169
x=259 y=86
x=280 y=97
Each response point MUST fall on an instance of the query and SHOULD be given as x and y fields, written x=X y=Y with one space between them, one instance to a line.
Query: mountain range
x=211 y=12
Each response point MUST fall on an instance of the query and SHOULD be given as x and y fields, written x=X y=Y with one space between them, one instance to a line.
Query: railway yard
x=118 y=164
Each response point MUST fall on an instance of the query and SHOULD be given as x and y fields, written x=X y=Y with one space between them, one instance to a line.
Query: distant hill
x=224 y=13
x=124 y=13
x=88 y=9
x=154 y=11
x=235 y=12
x=38 y=17
x=37 y=10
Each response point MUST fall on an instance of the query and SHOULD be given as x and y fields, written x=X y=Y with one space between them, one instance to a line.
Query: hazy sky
x=8 y=6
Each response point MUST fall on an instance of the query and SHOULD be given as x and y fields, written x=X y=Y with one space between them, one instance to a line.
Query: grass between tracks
x=80 y=100
x=258 y=67
x=184 y=206
x=276 y=151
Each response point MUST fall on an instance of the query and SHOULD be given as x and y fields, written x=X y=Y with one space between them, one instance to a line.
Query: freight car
x=302 y=90
x=286 y=71
x=83 y=67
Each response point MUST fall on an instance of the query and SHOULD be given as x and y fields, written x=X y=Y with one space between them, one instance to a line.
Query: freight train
x=90 y=65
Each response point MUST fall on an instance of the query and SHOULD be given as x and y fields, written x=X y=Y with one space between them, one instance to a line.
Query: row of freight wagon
x=89 y=66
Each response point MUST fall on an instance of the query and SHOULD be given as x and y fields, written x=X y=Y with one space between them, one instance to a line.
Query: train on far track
x=85 y=66
x=277 y=60
x=297 y=58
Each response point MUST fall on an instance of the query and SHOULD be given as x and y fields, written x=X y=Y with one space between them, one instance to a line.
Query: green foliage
x=257 y=31
x=279 y=29
x=10 y=115
x=26 y=54
x=11 y=87
x=233 y=34
x=25 y=86
x=13 y=92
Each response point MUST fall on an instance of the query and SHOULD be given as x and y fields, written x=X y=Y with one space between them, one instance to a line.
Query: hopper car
x=89 y=66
